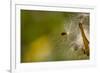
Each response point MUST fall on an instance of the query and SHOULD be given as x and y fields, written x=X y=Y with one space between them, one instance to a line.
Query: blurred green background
x=41 y=38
